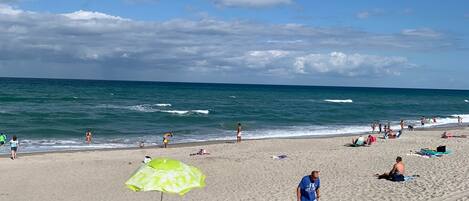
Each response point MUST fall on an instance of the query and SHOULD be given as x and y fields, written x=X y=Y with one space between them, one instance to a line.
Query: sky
x=411 y=44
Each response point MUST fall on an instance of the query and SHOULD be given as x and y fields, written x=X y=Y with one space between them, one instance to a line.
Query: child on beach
x=238 y=133
x=14 y=147
x=88 y=136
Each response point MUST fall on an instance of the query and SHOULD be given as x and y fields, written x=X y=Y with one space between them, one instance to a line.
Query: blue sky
x=420 y=44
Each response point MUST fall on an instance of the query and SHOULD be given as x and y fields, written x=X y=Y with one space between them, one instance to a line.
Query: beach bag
x=441 y=149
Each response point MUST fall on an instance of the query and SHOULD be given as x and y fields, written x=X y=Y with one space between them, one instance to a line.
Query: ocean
x=53 y=114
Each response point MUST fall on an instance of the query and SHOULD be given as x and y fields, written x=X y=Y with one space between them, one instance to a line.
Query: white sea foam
x=163 y=105
x=201 y=111
x=181 y=112
x=175 y=111
x=467 y=101
x=141 y=108
x=278 y=132
x=339 y=100
x=232 y=96
x=150 y=108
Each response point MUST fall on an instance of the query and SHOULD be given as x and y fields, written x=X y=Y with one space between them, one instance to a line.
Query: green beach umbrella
x=167 y=176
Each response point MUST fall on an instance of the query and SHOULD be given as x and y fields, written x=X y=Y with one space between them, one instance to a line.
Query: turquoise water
x=48 y=114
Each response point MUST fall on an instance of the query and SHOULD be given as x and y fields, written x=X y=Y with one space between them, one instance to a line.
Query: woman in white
x=14 y=147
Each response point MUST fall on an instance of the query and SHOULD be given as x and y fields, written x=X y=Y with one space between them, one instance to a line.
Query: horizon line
x=230 y=83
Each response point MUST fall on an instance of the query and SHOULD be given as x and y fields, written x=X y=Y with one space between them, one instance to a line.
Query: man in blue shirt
x=308 y=189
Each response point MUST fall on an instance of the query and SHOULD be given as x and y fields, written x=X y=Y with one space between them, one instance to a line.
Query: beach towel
x=410 y=178
x=430 y=152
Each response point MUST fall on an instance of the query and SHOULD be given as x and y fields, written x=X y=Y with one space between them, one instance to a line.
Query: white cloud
x=8 y=10
x=363 y=15
x=369 y=13
x=88 y=15
x=109 y=45
x=349 y=64
x=421 y=32
x=261 y=59
x=251 y=3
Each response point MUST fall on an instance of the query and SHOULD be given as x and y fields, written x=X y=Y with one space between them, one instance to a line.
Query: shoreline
x=212 y=142
x=238 y=169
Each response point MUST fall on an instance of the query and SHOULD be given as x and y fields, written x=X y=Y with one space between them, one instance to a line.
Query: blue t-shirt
x=308 y=188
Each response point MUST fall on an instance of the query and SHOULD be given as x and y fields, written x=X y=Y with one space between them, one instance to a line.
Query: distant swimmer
x=166 y=137
x=238 y=133
x=88 y=136
x=434 y=119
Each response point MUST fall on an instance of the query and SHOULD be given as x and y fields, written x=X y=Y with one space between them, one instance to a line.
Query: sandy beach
x=246 y=171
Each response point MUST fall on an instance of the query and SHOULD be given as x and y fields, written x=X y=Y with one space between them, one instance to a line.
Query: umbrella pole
x=161 y=196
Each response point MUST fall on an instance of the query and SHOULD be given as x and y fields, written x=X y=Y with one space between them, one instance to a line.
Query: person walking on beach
x=380 y=127
x=373 y=127
x=14 y=147
x=88 y=136
x=166 y=137
x=238 y=133
x=308 y=189
x=402 y=124
x=460 y=120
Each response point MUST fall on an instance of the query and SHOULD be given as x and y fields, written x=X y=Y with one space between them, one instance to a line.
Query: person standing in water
x=460 y=120
x=238 y=133
x=402 y=124
x=422 y=121
x=373 y=127
x=380 y=127
x=88 y=136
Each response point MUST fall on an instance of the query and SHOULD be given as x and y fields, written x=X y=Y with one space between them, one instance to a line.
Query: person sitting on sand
x=166 y=137
x=201 y=152
x=88 y=136
x=370 y=139
x=360 y=141
x=446 y=135
x=397 y=172
x=308 y=189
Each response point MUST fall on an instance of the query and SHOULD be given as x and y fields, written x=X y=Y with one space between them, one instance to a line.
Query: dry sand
x=247 y=171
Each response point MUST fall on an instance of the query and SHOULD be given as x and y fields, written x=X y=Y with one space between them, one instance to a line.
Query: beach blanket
x=430 y=152
x=410 y=178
